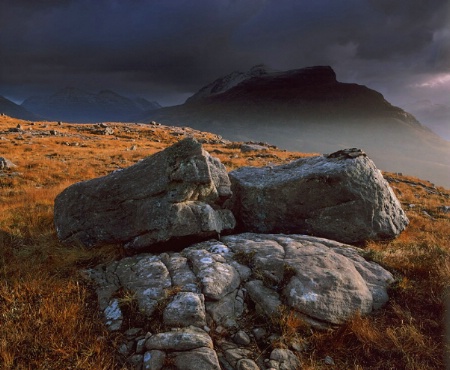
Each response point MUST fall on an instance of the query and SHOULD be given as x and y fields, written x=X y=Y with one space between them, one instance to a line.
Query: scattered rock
x=179 y=340
x=328 y=360
x=174 y=194
x=246 y=364
x=6 y=164
x=245 y=148
x=443 y=209
x=153 y=360
x=342 y=196
x=242 y=338
x=286 y=359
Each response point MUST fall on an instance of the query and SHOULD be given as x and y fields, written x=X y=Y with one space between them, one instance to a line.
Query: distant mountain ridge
x=14 y=110
x=227 y=82
x=309 y=110
x=75 y=105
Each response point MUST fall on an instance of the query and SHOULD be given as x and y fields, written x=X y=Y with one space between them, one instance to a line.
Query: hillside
x=14 y=110
x=49 y=313
x=75 y=105
x=309 y=110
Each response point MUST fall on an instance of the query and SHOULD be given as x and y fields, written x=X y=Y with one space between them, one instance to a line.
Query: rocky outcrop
x=213 y=289
x=174 y=194
x=341 y=196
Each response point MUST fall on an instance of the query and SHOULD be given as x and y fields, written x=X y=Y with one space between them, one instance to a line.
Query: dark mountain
x=13 y=110
x=309 y=110
x=75 y=105
x=225 y=83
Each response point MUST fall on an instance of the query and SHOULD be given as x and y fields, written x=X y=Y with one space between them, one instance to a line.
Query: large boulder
x=341 y=196
x=174 y=194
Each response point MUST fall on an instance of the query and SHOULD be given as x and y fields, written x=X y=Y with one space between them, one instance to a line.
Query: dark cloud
x=166 y=50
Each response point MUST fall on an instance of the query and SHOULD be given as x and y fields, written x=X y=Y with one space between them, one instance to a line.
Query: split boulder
x=174 y=194
x=341 y=196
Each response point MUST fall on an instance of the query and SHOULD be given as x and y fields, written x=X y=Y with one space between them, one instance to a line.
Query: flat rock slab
x=322 y=280
x=216 y=285
x=341 y=196
x=174 y=194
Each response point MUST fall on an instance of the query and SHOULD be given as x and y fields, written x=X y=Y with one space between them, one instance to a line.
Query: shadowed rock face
x=175 y=193
x=342 y=196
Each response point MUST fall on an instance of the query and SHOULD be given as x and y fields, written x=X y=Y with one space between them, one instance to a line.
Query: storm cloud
x=166 y=50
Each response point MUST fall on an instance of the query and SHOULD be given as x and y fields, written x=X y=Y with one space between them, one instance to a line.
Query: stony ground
x=50 y=315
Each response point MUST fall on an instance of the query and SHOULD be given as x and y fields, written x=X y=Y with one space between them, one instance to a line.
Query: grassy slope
x=48 y=314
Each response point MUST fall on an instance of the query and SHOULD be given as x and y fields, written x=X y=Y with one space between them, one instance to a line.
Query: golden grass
x=49 y=316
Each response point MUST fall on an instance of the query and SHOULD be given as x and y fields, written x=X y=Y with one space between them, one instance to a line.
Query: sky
x=165 y=50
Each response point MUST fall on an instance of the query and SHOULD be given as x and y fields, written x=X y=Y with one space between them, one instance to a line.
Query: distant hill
x=13 y=110
x=308 y=110
x=75 y=105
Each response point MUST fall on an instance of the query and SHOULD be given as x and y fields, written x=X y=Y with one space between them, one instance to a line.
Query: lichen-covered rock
x=184 y=339
x=153 y=360
x=185 y=309
x=199 y=292
x=197 y=359
x=174 y=194
x=342 y=196
x=286 y=359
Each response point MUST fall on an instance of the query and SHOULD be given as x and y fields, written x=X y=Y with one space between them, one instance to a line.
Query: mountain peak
x=308 y=75
x=227 y=82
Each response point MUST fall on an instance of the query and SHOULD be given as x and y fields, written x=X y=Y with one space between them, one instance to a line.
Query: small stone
x=286 y=358
x=201 y=358
x=236 y=354
x=133 y=332
x=444 y=209
x=113 y=315
x=6 y=164
x=153 y=360
x=259 y=333
x=241 y=338
x=181 y=340
x=328 y=360
x=126 y=348
x=140 y=346
x=135 y=361
x=247 y=364
x=297 y=346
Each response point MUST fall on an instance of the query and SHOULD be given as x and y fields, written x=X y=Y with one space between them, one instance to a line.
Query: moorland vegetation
x=49 y=315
